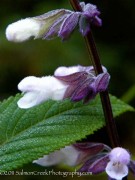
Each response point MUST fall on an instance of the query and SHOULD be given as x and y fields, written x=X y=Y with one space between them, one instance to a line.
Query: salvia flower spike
x=57 y=23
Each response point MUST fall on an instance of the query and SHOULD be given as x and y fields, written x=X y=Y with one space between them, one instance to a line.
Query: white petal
x=22 y=30
x=51 y=159
x=63 y=71
x=38 y=90
x=104 y=69
x=120 y=155
x=55 y=87
x=82 y=4
x=67 y=156
x=71 y=155
x=29 y=83
x=116 y=171
x=29 y=100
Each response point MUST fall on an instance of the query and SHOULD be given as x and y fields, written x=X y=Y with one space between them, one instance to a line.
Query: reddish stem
x=105 y=99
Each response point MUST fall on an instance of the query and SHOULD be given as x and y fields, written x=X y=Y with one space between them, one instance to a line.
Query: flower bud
x=22 y=30
x=57 y=23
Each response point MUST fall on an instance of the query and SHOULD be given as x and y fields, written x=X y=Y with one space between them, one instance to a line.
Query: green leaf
x=26 y=135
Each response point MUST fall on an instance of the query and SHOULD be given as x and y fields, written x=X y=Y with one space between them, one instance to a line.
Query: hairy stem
x=110 y=123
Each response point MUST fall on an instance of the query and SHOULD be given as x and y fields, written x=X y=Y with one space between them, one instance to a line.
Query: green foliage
x=129 y=95
x=26 y=135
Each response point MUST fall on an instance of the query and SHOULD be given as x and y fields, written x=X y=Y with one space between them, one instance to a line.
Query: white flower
x=37 y=90
x=117 y=166
x=22 y=30
x=68 y=156
x=62 y=85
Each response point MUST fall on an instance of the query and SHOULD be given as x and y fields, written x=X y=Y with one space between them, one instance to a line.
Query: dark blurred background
x=115 y=42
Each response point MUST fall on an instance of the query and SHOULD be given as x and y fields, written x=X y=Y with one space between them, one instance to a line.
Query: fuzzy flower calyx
x=57 y=23
x=83 y=84
x=77 y=83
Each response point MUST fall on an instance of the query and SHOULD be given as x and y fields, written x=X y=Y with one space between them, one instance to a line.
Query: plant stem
x=110 y=123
